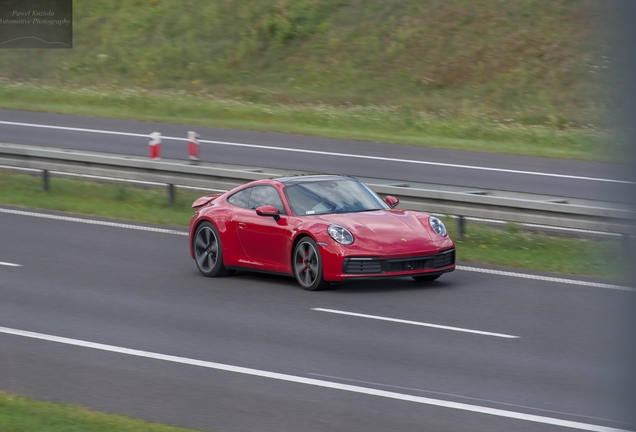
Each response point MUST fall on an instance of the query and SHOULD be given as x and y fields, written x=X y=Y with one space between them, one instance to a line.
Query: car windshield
x=332 y=196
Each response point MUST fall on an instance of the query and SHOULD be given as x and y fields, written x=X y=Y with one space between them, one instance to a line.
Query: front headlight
x=437 y=225
x=340 y=234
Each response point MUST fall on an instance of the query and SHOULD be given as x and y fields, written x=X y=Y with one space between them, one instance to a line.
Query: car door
x=233 y=253
x=265 y=239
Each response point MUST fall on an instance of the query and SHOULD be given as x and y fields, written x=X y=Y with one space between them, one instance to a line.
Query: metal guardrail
x=463 y=202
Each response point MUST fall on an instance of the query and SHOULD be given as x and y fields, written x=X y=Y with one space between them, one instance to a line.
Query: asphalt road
x=140 y=290
x=391 y=161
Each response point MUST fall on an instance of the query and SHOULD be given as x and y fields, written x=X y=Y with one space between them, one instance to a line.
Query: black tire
x=208 y=251
x=307 y=265
x=426 y=278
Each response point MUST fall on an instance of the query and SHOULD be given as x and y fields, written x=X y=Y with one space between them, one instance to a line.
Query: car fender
x=217 y=217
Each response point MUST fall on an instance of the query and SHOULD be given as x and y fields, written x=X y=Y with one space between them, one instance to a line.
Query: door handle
x=242 y=225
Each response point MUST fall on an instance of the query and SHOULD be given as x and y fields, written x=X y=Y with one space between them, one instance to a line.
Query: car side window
x=266 y=195
x=241 y=198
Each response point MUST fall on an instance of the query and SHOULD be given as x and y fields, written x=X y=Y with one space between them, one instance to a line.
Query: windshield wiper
x=367 y=210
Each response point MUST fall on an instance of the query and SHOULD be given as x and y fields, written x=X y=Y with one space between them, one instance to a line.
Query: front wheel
x=208 y=253
x=308 y=265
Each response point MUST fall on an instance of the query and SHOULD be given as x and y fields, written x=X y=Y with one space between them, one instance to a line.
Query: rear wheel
x=208 y=253
x=308 y=265
x=426 y=278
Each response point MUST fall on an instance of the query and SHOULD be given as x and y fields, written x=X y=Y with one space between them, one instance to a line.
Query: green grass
x=20 y=414
x=513 y=247
x=509 y=76
x=482 y=244
x=117 y=201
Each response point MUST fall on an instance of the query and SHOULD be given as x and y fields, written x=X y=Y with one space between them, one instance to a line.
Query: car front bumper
x=337 y=267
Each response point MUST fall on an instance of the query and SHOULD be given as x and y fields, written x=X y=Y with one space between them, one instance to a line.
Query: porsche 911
x=320 y=229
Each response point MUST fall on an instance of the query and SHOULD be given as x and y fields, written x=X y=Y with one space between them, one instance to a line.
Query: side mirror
x=268 y=210
x=391 y=201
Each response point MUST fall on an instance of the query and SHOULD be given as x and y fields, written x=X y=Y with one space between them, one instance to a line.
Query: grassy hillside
x=495 y=65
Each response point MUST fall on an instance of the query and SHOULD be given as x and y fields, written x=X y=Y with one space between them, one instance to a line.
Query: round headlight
x=340 y=234
x=437 y=225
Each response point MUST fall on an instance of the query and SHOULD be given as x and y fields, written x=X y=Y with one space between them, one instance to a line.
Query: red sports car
x=320 y=229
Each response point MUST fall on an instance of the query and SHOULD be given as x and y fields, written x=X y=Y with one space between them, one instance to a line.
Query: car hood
x=392 y=230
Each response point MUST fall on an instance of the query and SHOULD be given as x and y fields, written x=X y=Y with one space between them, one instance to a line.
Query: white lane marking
x=314 y=382
x=464 y=397
x=184 y=233
x=325 y=153
x=74 y=129
x=416 y=323
x=93 y=222
x=8 y=264
x=417 y=162
x=546 y=278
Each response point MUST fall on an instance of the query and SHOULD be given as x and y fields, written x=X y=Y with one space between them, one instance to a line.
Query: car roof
x=311 y=178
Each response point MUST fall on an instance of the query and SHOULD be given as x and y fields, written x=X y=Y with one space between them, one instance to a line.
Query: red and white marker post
x=154 y=146
x=194 y=148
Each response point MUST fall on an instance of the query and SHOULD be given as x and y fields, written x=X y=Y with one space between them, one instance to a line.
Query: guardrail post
x=45 y=180
x=171 y=194
x=461 y=226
